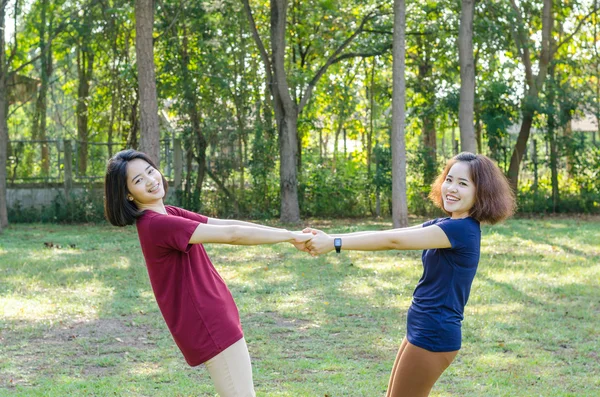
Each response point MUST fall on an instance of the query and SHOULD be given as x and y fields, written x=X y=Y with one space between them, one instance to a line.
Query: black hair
x=118 y=210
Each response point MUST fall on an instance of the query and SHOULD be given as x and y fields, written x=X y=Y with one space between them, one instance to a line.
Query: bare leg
x=416 y=370
x=231 y=371
x=396 y=362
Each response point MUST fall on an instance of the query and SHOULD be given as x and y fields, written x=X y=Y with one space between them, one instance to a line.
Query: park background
x=337 y=114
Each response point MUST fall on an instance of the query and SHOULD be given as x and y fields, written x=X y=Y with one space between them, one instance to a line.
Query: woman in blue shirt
x=471 y=189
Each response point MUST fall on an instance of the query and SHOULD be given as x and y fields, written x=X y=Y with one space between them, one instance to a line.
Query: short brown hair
x=494 y=198
x=117 y=209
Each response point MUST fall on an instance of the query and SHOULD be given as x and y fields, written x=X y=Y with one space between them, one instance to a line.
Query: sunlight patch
x=145 y=369
x=26 y=309
x=122 y=263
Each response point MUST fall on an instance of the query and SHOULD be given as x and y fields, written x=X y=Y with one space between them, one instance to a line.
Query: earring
x=130 y=198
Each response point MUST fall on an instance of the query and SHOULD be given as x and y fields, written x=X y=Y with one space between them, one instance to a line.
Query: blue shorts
x=432 y=331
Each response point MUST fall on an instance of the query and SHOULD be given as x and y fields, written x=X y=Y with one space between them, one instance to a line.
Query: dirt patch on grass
x=82 y=348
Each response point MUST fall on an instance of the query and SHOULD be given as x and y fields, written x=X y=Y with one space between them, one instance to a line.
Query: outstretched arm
x=234 y=222
x=397 y=239
x=245 y=235
x=362 y=233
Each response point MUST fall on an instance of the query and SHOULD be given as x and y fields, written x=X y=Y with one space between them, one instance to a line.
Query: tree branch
x=569 y=37
x=363 y=54
x=15 y=44
x=521 y=43
x=331 y=59
x=175 y=17
x=259 y=43
x=63 y=25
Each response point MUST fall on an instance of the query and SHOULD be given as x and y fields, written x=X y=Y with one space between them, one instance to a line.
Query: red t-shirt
x=193 y=298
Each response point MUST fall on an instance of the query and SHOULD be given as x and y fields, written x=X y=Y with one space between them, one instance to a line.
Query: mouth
x=154 y=188
x=452 y=199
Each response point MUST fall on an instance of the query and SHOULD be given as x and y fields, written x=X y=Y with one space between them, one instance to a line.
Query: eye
x=151 y=170
x=137 y=181
x=463 y=184
x=448 y=179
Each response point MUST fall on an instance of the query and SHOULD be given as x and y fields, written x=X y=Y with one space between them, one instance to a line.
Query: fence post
x=177 y=163
x=68 y=168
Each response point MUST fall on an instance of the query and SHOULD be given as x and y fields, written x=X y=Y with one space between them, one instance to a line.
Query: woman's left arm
x=402 y=239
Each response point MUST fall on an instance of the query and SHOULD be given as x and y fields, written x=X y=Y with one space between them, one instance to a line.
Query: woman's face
x=458 y=190
x=144 y=182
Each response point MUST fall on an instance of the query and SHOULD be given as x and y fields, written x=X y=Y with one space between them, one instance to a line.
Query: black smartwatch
x=337 y=243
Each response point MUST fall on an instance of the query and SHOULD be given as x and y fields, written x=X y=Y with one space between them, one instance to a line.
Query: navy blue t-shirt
x=435 y=316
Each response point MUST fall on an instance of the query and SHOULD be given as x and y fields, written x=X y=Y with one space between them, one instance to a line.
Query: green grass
x=81 y=320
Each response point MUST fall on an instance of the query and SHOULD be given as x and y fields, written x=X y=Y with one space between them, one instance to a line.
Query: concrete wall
x=38 y=196
x=43 y=195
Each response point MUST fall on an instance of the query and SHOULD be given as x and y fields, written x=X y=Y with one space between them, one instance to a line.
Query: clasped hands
x=313 y=241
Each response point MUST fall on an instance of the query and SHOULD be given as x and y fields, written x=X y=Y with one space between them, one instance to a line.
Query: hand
x=320 y=244
x=299 y=241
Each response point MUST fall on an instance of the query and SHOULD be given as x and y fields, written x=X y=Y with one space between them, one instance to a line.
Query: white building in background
x=587 y=123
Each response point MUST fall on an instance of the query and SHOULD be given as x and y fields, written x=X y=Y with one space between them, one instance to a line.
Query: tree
x=3 y=118
x=144 y=49
x=467 y=78
x=85 y=69
x=399 y=203
x=287 y=108
x=45 y=31
x=535 y=83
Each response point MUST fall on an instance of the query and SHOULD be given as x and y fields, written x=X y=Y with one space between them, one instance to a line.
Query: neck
x=157 y=206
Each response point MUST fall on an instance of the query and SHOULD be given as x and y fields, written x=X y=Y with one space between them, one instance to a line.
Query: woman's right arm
x=244 y=235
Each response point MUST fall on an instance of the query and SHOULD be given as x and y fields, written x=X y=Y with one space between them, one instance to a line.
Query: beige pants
x=231 y=371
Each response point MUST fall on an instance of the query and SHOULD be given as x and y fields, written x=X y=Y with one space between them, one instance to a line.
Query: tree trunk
x=39 y=118
x=467 y=77
x=535 y=83
x=399 y=202
x=85 y=67
x=371 y=89
x=144 y=49
x=430 y=145
x=3 y=121
x=288 y=155
x=286 y=115
x=552 y=139
x=189 y=94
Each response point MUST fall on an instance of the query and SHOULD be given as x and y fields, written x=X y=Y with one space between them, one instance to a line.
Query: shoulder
x=435 y=221
x=146 y=218
x=172 y=210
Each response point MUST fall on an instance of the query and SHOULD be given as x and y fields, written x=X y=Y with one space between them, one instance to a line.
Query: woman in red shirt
x=193 y=298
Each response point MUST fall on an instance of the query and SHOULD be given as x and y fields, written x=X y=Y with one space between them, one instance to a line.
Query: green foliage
x=497 y=114
x=333 y=193
x=214 y=97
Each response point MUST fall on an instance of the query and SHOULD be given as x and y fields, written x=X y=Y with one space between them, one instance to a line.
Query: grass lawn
x=79 y=318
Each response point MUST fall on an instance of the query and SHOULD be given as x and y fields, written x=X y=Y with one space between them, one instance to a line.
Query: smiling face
x=458 y=190
x=144 y=183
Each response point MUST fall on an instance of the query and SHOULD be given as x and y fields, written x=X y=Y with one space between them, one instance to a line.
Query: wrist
x=291 y=238
x=337 y=244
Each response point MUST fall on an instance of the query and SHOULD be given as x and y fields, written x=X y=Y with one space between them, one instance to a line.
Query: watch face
x=337 y=242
